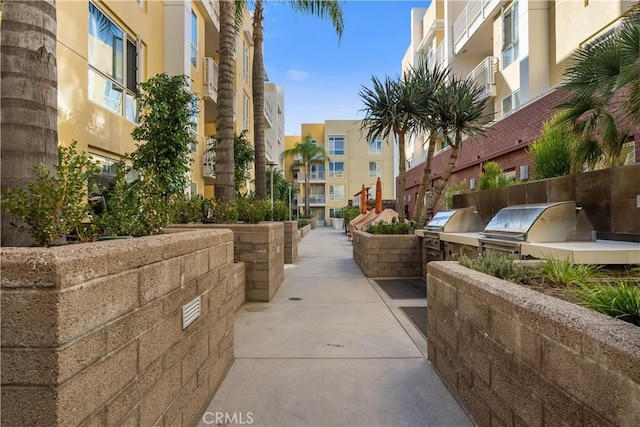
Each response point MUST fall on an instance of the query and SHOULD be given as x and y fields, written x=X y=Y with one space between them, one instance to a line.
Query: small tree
x=167 y=109
x=492 y=177
x=552 y=151
x=243 y=156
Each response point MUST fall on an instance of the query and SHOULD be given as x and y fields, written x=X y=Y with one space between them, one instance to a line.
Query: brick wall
x=291 y=239
x=388 y=255
x=261 y=248
x=92 y=333
x=515 y=357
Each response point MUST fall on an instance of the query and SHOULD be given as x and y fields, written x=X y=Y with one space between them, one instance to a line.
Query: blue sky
x=322 y=78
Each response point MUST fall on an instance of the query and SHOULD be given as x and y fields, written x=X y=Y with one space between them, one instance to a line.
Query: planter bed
x=388 y=255
x=514 y=356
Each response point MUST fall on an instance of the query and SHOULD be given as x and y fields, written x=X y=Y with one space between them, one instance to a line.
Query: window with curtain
x=336 y=145
x=336 y=192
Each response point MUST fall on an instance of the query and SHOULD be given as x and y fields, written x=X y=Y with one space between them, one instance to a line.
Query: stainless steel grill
x=538 y=223
x=452 y=221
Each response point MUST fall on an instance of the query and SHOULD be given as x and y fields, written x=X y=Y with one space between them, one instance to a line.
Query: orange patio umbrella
x=378 y=196
x=363 y=200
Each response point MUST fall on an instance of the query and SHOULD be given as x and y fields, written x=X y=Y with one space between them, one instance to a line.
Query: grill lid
x=456 y=221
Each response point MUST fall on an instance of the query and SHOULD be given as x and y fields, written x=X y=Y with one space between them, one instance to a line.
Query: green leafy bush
x=337 y=213
x=302 y=223
x=54 y=205
x=452 y=190
x=492 y=177
x=252 y=210
x=496 y=264
x=349 y=213
x=564 y=272
x=620 y=300
x=394 y=227
x=187 y=209
x=220 y=211
x=280 y=211
x=552 y=152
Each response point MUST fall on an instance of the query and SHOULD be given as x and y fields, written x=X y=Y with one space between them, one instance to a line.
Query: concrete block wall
x=515 y=357
x=388 y=255
x=291 y=239
x=92 y=333
x=305 y=230
x=261 y=248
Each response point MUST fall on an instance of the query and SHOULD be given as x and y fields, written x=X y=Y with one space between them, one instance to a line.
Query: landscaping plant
x=564 y=272
x=552 y=152
x=55 y=204
x=220 y=211
x=492 y=177
x=394 y=227
x=252 y=210
x=187 y=209
x=620 y=300
x=496 y=264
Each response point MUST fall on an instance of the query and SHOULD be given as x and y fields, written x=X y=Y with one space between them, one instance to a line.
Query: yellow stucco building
x=105 y=48
x=353 y=161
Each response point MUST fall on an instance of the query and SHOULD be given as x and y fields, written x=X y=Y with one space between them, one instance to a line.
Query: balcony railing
x=209 y=162
x=317 y=176
x=437 y=57
x=213 y=9
x=210 y=79
x=484 y=76
x=473 y=14
x=314 y=200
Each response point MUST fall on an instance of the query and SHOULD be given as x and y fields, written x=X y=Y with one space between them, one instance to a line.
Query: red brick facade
x=505 y=142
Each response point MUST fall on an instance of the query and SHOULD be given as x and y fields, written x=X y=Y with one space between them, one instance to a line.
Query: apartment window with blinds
x=113 y=65
x=336 y=169
x=194 y=39
x=336 y=145
x=375 y=169
x=336 y=192
x=510 y=34
x=245 y=111
x=245 y=61
x=375 y=147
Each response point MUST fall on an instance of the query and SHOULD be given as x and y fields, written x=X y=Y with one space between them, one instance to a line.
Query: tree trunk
x=225 y=176
x=307 y=188
x=419 y=214
x=442 y=181
x=402 y=176
x=29 y=98
x=257 y=89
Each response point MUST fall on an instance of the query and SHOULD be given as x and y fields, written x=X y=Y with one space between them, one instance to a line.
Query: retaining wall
x=388 y=255
x=291 y=239
x=517 y=357
x=92 y=334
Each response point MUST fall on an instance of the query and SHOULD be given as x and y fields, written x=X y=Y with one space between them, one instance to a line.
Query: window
x=336 y=145
x=245 y=111
x=375 y=147
x=108 y=167
x=375 y=169
x=511 y=102
x=336 y=169
x=510 y=37
x=245 y=61
x=336 y=192
x=193 y=190
x=113 y=66
x=194 y=39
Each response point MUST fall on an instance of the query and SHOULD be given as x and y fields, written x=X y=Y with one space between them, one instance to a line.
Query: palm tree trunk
x=419 y=213
x=402 y=176
x=29 y=98
x=307 y=188
x=225 y=176
x=257 y=88
x=442 y=181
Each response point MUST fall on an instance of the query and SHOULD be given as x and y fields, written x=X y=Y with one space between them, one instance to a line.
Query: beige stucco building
x=105 y=48
x=353 y=161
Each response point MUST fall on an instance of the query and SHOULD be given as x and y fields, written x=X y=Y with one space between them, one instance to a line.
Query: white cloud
x=297 y=75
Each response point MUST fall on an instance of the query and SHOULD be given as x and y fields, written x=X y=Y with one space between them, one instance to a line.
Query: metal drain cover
x=295 y=299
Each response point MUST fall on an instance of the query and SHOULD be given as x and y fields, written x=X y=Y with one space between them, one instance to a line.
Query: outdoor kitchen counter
x=470 y=238
x=598 y=252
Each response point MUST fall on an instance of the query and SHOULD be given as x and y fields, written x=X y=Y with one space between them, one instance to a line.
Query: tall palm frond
x=324 y=9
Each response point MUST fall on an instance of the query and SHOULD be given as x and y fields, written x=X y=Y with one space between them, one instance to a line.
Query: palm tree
x=393 y=107
x=430 y=80
x=230 y=21
x=330 y=9
x=595 y=80
x=304 y=154
x=29 y=98
x=459 y=112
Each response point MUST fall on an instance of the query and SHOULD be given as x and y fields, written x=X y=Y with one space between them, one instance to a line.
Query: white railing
x=336 y=174
x=437 y=57
x=474 y=12
x=209 y=160
x=484 y=76
x=268 y=112
x=313 y=176
x=213 y=9
x=210 y=79
x=317 y=199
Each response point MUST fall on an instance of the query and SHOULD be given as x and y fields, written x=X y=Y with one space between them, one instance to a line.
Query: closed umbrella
x=378 y=196
x=363 y=200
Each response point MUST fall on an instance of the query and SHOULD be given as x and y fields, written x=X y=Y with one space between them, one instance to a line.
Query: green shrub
x=302 y=223
x=54 y=205
x=552 y=151
x=620 y=300
x=349 y=213
x=337 y=213
x=394 y=227
x=496 y=264
x=187 y=209
x=221 y=211
x=564 y=272
x=280 y=211
x=452 y=190
x=492 y=177
x=252 y=210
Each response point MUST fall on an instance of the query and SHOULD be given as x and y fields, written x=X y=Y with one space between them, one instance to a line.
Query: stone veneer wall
x=291 y=239
x=92 y=333
x=388 y=255
x=261 y=248
x=305 y=230
x=517 y=357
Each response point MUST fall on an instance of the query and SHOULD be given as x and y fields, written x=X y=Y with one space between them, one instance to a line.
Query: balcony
x=210 y=80
x=314 y=177
x=314 y=200
x=209 y=162
x=474 y=20
x=484 y=76
x=437 y=57
x=212 y=7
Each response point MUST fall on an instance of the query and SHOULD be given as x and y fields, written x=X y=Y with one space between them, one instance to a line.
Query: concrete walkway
x=331 y=349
